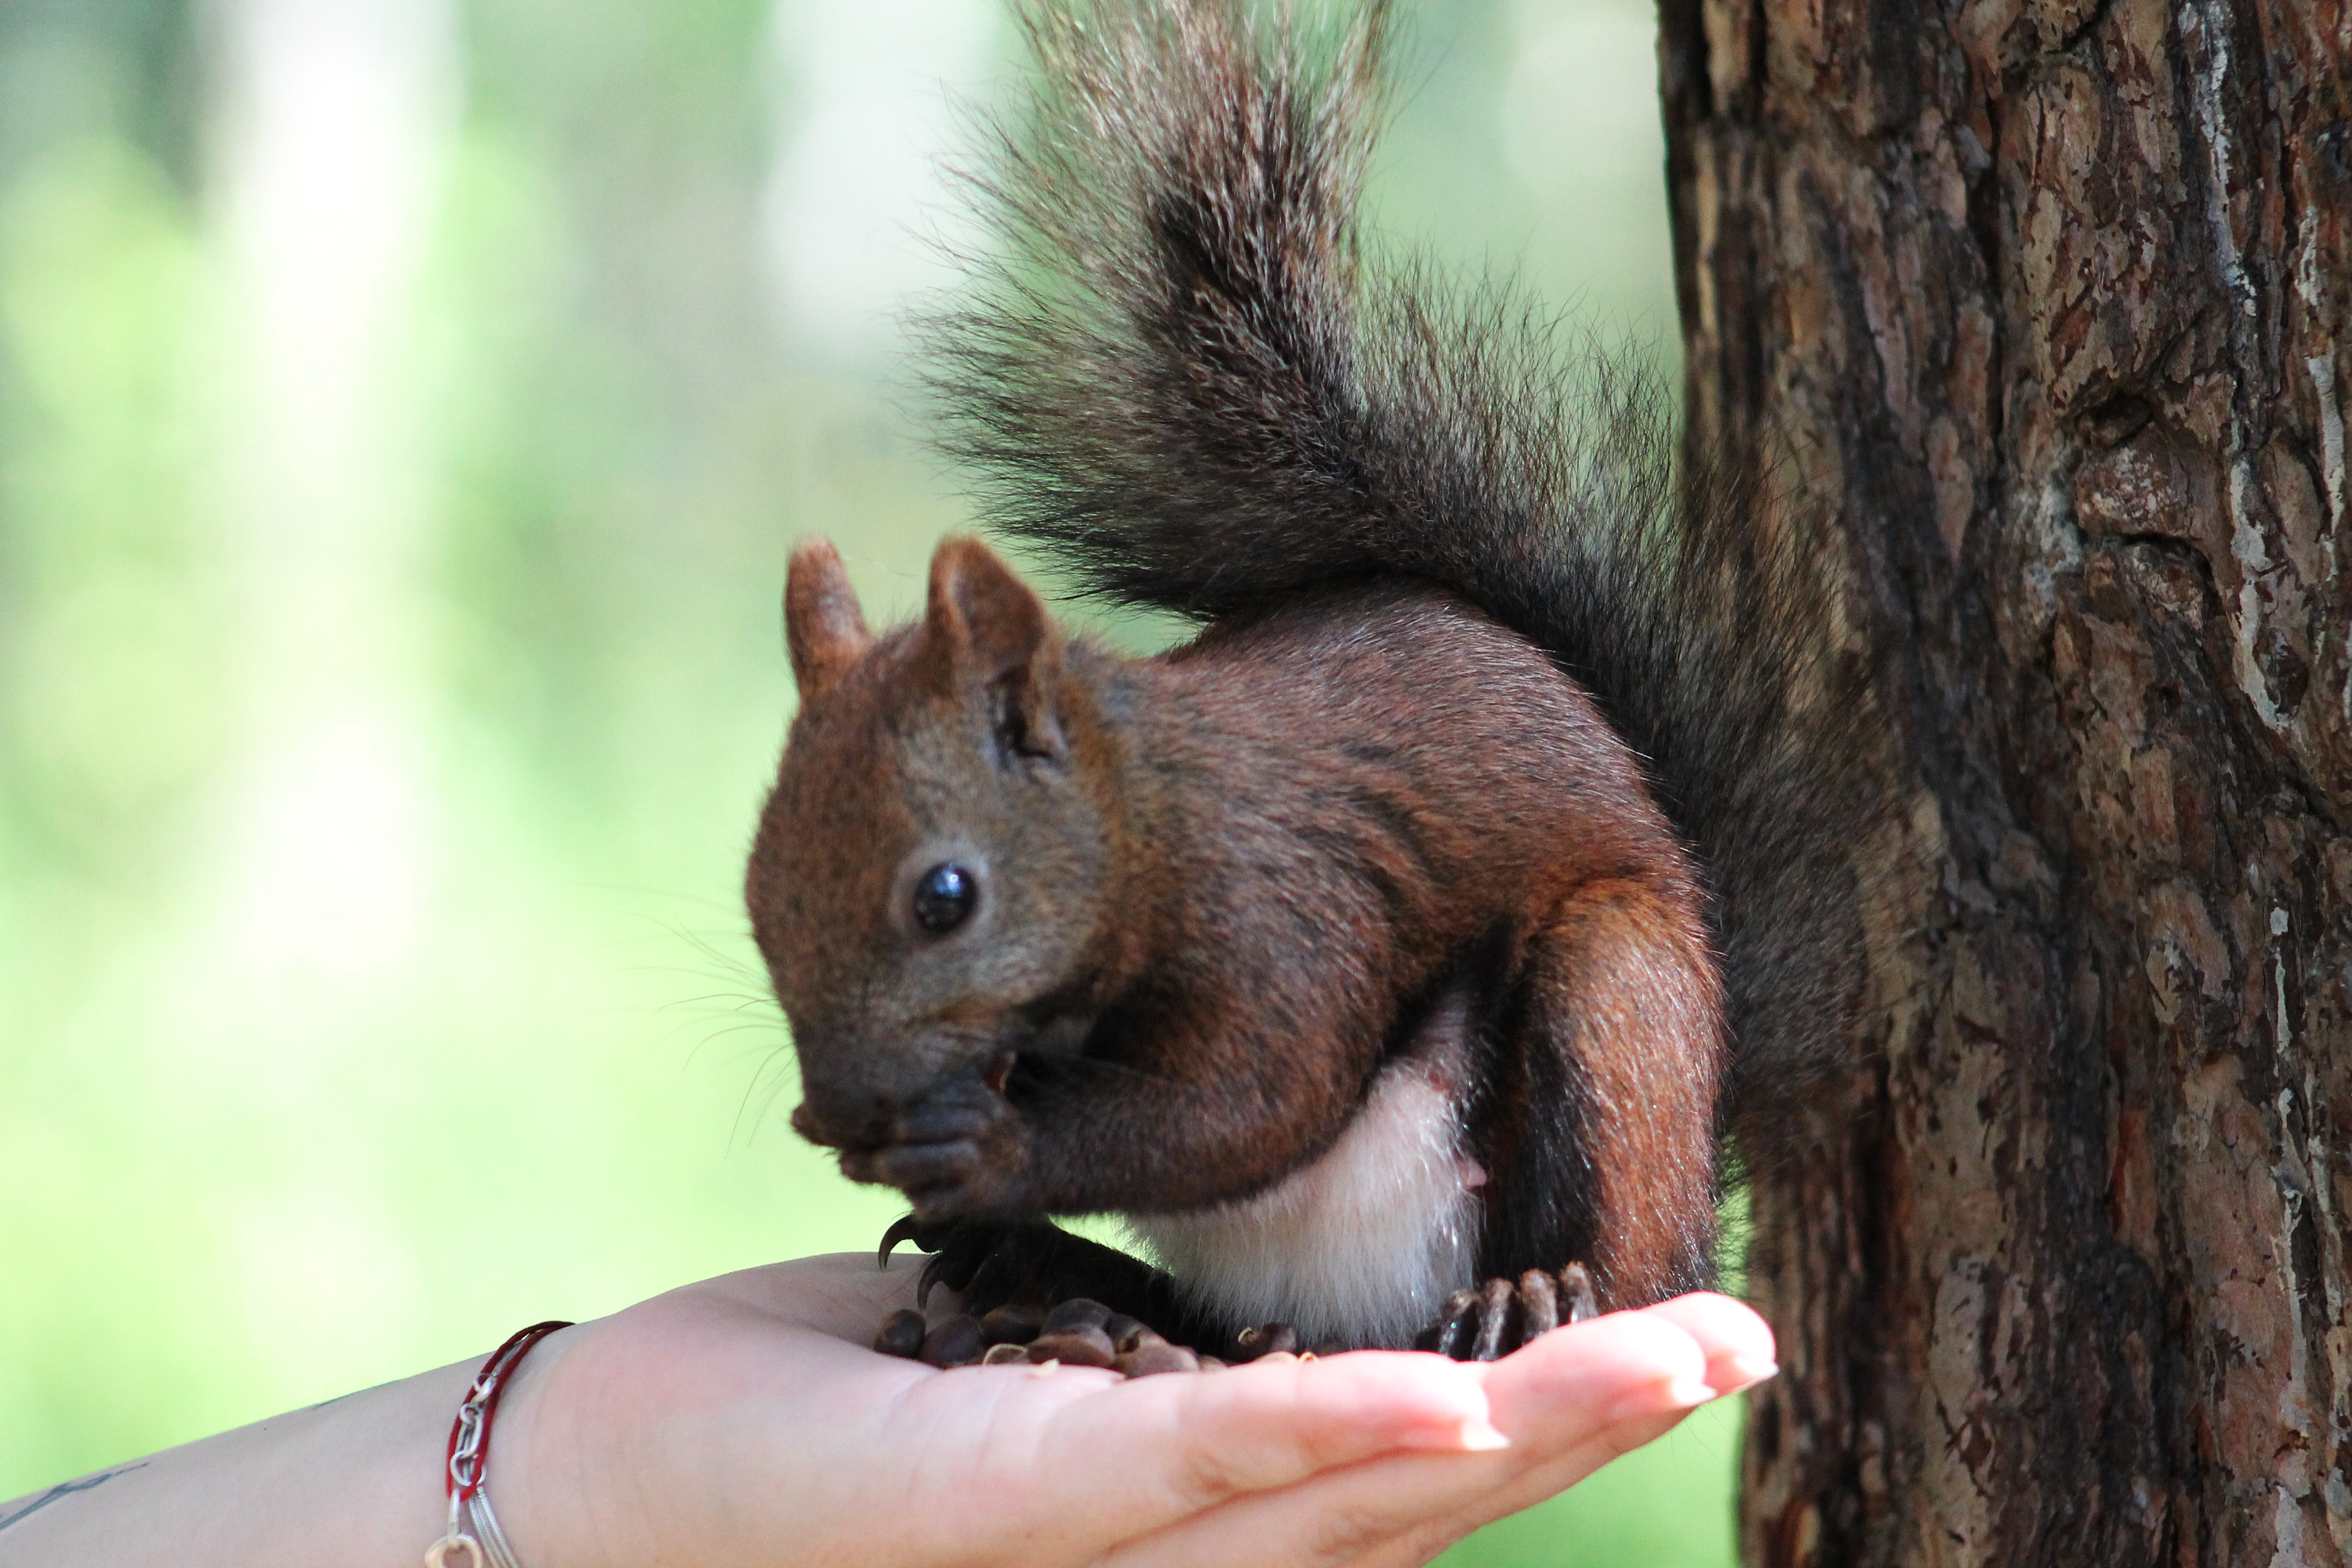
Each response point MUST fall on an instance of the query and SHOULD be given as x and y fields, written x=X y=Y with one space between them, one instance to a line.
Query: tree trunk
x=2036 y=312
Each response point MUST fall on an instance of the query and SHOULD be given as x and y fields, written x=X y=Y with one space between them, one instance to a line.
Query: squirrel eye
x=944 y=898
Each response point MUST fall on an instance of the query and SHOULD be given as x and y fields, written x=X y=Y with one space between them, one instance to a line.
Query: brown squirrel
x=1435 y=915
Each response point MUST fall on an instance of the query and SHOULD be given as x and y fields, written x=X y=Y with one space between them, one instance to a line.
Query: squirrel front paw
x=1037 y=1265
x=1031 y=1263
x=1500 y=1315
x=989 y=1265
x=957 y=1154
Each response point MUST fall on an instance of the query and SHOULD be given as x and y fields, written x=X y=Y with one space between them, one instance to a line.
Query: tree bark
x=2037 y=313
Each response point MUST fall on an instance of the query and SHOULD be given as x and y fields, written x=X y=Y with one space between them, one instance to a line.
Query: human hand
x=744 y=1421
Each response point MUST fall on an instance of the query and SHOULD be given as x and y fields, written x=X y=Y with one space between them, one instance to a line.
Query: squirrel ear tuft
x=988 y=629
x=822 y=625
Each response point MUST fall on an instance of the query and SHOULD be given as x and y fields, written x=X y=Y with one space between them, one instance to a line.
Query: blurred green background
x=405 y=407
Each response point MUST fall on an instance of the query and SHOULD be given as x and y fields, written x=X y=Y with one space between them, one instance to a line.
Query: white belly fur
x=1364 y=1245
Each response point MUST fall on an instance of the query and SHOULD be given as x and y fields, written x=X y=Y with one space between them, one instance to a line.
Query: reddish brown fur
x=1220 y=889
x=824 y=629
x=1366 y=816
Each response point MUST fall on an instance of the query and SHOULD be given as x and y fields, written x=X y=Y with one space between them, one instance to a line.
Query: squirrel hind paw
x=1501 y=1315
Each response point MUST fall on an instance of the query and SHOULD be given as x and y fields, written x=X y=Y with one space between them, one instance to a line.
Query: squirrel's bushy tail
x=1176 y=367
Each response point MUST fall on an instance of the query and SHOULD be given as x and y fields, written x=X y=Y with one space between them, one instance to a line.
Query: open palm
x=744 y=1421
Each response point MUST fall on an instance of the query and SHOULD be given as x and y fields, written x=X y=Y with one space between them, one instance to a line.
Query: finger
x=1570 y=1403
x=1652 y=1361
x=1403 y=1509
x=1532 y=1389
x=1727 y=1333
x=1123 y=1460
x=1184 y=1443
x=1419 y=1542
x=1740 y=1346
x=1524 y=1489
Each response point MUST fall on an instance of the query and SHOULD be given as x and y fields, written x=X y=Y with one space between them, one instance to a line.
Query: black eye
x=944 y=898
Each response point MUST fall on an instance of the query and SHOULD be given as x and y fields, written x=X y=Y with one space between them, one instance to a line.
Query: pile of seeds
x=1079 y=1332
x=1475 y=1325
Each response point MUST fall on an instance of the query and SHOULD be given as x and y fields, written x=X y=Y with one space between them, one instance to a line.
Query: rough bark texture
x=2040 y=312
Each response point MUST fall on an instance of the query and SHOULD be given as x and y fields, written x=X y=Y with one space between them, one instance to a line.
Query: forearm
x=1209 y=1105
x=353 y=1483
x=356 y=1482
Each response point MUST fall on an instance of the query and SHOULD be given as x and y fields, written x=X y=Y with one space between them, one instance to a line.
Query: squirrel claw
x=1029 y=1263
x=903 y=1228
x=961 y=1257
x=1451 y=1328
x=1265 y=1339
x=938 y=1269
x=1577 y=1281
x=1540 y=1304
x=1494 y=1303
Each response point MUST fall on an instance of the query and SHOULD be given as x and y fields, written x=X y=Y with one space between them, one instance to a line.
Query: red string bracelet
x=475 y=1540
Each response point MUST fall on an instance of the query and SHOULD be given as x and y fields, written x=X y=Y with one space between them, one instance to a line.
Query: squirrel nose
x=805 y=1122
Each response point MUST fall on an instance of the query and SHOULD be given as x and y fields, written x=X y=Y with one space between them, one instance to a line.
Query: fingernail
x=1480 y=1436
x=1472 y=1435
x=1747 y=1372
x=1689 y=1393
x=1658 y=1398
x=1467 y=1428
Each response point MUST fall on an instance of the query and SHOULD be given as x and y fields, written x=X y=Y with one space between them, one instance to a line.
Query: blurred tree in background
x=405 y=407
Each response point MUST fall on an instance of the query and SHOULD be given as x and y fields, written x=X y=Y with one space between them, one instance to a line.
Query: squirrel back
x=1180 y=372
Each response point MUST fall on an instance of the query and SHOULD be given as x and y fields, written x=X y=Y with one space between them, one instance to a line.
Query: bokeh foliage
x=376 y=760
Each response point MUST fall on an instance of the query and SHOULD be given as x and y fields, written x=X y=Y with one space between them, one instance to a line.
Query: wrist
x=531 y=1476
x=706 y=1425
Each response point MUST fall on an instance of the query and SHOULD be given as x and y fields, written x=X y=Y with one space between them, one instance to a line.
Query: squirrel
x=1450 y=904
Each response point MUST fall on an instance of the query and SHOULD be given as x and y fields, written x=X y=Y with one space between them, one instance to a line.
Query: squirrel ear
x=822 y=625
x=988 y=629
